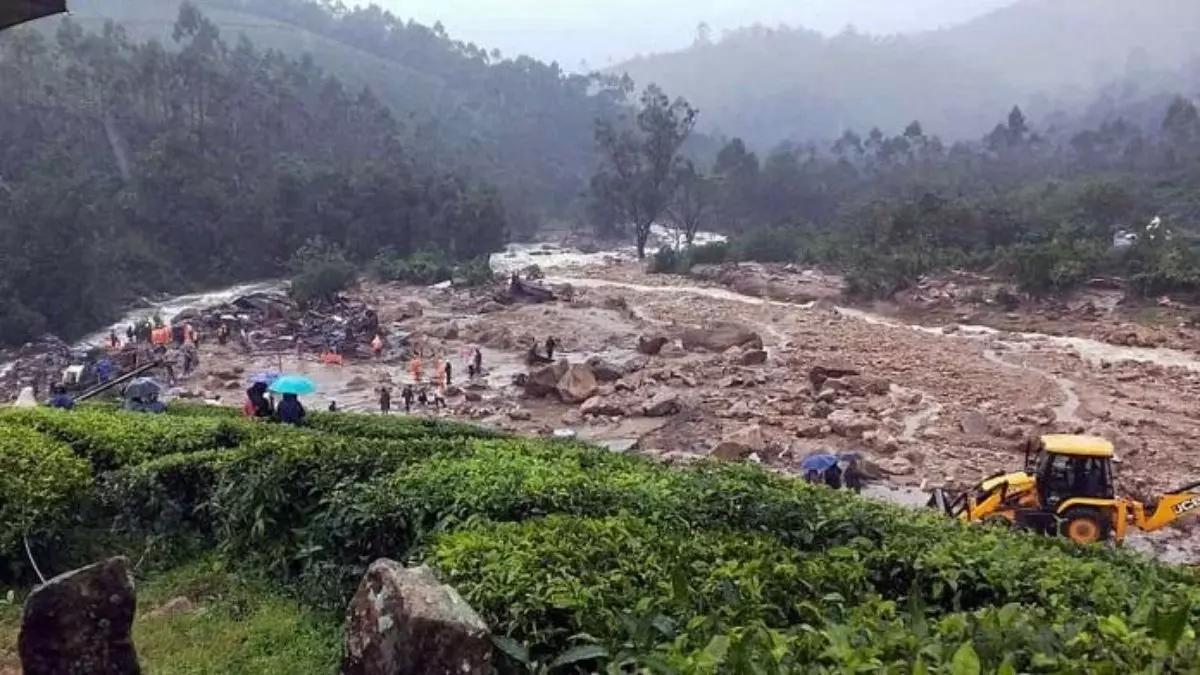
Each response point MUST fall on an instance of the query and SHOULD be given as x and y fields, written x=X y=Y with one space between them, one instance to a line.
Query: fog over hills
x=1050 y=56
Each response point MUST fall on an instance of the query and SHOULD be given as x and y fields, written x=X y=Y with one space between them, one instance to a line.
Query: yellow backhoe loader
x=1066 y=489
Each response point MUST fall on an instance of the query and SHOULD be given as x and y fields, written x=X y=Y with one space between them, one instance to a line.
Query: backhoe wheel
x=1086 y=525
x=998 y=520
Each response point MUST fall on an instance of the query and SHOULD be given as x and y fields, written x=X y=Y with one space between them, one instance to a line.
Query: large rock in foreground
x=720 y=337
x=79 y=623
x=578 y=384
x=405 y=622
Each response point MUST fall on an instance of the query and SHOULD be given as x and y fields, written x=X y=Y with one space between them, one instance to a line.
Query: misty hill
x=523 y=124
x=1049 y=56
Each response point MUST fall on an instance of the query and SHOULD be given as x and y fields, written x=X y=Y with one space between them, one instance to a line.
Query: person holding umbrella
x=290 y=410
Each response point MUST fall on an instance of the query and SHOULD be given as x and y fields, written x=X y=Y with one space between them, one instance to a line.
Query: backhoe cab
x=1066 y=488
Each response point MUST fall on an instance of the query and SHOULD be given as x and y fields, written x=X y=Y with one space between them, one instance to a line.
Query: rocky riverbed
x=762 y=364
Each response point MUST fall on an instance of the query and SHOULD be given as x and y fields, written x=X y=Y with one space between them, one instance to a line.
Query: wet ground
x=940 y=376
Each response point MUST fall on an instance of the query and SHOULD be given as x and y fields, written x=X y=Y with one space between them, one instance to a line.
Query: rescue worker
x=385 y=400
x=377 y=346
x=407 y=395
x=551 y=343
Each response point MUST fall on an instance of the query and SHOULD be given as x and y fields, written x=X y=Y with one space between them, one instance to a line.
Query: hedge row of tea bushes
x=584 y=559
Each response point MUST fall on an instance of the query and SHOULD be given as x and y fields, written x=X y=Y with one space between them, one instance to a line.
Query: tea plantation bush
x=585 y=560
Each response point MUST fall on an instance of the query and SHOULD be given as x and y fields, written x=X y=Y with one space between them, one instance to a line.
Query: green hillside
x=406 y=89
x=706 y=569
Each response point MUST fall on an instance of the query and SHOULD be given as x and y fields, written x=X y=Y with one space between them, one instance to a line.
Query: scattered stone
x=849 y=424
x=578 y=384
x=651 y=345
x=473 y=397
x=405 y=622
x=520 y=415
x=740 y=444
x=79 y=622
x=753 y=357
x=821 y=409
x=602 y=406
x=811 y=430
x=817 y=375
x=975 y=423
x=663 y=405
x=605 y=371
x=720 y=337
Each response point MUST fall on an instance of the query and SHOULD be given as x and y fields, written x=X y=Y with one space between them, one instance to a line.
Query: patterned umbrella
x=13 y=12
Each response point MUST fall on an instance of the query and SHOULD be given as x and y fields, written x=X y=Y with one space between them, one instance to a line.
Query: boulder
x=740 y=444
x=753 y=357
x=651 y=345
x=849 y=424
x=859 y=385
x=578 y=384
x=602 y=406
x=974 y=423
x=819 y=373
x=520 y=415
x=473 y=396
x=542 y=382
x=405 y=622
x=663 y=405
x=820 y=410
x=80 y=622
x=720 y=337
x=811 y=430
x=605 y=371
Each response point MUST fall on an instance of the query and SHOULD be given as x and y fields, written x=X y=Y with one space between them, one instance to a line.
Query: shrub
x=320 y=271
x=40 y=481
x=374 y=426
x=114 y=440
x=712 y=253
x=768 y=244
x=544 y=581
x=668 y=260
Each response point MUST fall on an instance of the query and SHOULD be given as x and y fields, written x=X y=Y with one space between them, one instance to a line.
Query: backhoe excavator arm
x=1170 y=507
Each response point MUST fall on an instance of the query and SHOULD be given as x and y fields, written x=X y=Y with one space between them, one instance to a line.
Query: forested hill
x=525 y=125
x=129 y=167
x=1049 y=56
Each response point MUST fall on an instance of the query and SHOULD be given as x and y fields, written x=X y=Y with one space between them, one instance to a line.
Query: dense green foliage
x=581 y=557
x=129 y=168
x=1042 y=210
x=39 y=479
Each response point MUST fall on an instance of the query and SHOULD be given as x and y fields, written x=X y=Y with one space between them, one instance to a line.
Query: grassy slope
x=404 y=88
x=256 y=629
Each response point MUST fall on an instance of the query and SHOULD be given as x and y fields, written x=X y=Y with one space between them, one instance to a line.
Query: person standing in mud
x=447 y=372
x=407 y=395
x=385 y=400
x=551 y=345
x=477 y=361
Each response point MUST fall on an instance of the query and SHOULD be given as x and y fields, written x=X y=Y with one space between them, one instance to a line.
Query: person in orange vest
x=414 y=367
x=439 y=370
x=377 y=346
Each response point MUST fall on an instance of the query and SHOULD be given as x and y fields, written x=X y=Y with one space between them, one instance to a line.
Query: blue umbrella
x=293 y=384
x=819 y=463
x=266 y=377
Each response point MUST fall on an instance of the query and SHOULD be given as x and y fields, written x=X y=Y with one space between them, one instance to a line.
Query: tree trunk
x=643 y=235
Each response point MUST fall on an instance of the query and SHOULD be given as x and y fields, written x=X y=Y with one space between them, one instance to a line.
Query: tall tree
x=641 y=165
x=693 y=202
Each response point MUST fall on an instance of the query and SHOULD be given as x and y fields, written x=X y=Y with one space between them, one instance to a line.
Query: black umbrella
x=13 y=12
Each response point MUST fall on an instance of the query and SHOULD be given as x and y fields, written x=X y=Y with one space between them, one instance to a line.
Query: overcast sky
x=602 y=31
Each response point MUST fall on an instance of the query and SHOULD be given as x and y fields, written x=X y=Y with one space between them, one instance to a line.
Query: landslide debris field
x=755 y=364
x=569 y=553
